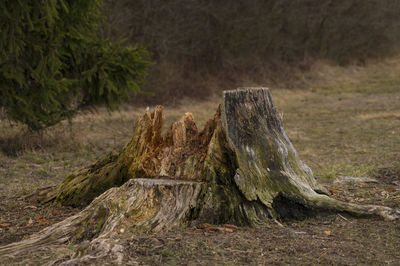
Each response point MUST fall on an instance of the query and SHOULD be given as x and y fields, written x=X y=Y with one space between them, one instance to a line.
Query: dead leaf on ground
x=44 y=221
x=334 y=191
x=213 y=228
x=208 y=228
x=227 y=230
x=390 y=188
x=231 y=226
x=5 y=225
x=197 y=230
x=202 y=226
x=30 y=222
x=41 y=220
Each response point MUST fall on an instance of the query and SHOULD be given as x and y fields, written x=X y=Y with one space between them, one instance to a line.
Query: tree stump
x=241 y=168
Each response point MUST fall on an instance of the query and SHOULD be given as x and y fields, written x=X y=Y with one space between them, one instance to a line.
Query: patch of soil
x=389 y=176
x=329 y=240
x=20 y=218
x=386 y=191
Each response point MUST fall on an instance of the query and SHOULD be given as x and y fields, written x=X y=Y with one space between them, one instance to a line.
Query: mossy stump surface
x=241 y=168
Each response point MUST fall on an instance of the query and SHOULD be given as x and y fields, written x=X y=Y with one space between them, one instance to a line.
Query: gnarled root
x=138 y=205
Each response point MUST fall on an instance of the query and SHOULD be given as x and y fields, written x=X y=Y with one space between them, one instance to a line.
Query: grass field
x=346 y=122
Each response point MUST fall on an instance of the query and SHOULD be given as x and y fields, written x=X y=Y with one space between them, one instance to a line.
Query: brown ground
x=349 y=126
x=333 y=239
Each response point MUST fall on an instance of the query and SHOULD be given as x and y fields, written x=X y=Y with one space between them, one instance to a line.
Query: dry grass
x=332 y=135
x=377 y=77
x=380 y=115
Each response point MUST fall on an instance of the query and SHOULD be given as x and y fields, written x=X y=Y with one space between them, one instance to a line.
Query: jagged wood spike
x=147 y=155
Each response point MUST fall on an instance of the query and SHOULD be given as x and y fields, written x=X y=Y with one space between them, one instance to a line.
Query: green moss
x=80 y=190
x=67 y=180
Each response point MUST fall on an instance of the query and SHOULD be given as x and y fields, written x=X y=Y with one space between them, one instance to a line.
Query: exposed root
x=318 y=201
x=138 y=205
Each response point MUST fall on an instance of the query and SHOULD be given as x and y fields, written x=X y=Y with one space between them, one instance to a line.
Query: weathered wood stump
x=241 y=168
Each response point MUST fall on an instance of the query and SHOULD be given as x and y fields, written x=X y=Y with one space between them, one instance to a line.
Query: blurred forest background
x=204 y=46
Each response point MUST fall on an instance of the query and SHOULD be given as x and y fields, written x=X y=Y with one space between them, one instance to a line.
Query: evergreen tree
x=54 y=61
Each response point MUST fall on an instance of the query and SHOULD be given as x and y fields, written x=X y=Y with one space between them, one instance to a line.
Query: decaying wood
x=177 y=155
x=240 y=169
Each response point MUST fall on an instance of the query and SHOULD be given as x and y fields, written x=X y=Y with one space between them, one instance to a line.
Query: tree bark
x=241 y=168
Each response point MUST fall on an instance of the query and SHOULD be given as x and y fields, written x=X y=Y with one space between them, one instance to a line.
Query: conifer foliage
x=54 y=61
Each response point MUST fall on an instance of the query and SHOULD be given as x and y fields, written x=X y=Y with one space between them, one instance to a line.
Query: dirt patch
x=20 y=218
x=385 y=191
x=329 y=240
